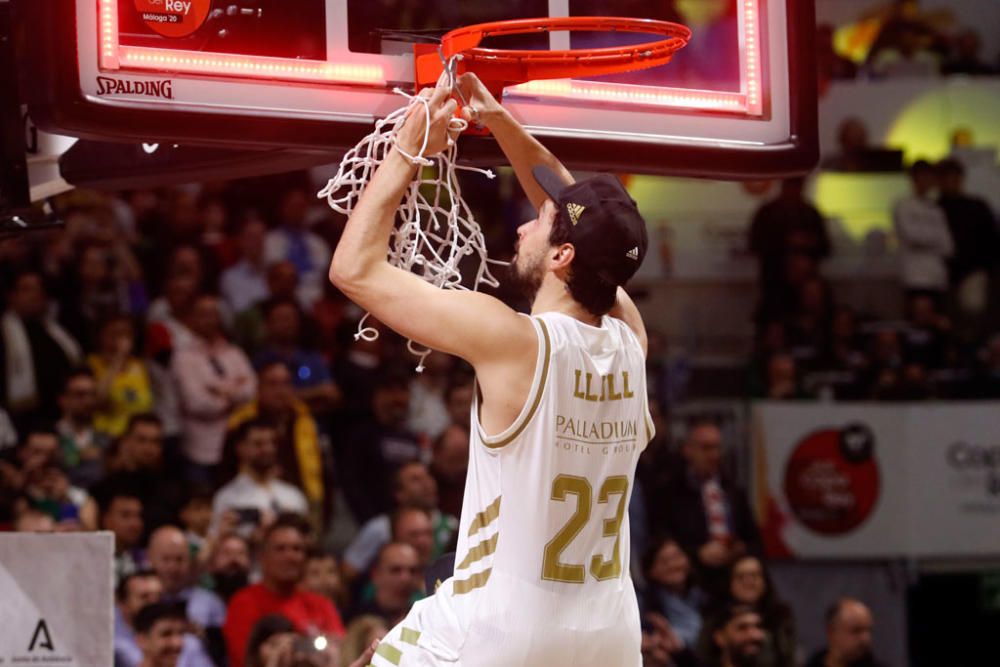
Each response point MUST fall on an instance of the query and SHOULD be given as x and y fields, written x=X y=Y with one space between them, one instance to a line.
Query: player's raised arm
x=523 y=151
x=474 y=326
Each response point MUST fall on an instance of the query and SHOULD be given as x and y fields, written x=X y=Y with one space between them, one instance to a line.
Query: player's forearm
x=524 y=153
x=365 y=241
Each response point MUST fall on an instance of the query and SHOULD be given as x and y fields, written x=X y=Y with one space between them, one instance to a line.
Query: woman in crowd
x=671 y=591
x=749 y=583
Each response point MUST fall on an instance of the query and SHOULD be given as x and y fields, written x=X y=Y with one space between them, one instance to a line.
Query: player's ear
x=562 y=256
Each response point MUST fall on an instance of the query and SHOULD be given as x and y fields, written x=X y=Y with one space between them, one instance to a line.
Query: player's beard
x=527 y=278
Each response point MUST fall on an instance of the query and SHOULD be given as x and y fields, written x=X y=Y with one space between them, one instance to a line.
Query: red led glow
x=108 y=20
x=748 y=101
x=116 y=56
x=196 y=62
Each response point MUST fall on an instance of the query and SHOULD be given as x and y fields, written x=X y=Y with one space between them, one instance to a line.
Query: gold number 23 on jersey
x=553 y=569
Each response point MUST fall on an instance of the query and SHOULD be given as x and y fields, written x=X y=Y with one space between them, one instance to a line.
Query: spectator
x=905 y=49
x=396 y=584
x=848 y=637
x=124 y=384
x=660 y=645
x=81 y=444
x=846 y=351
x=195 y=517
x=783 y=230
x=853 y=142
x=782 y=382
x=39 y=450
x=291 y=241
x=323 y=577
x=138 y=457
x=927 y=335
x=229 y=566
x=170 y=558
x=376 y=447
x=36 y=352
x=362 y=632
x=671 y=591
x=428 y=412
x=299 y=448
x=706 y=512
x=248 y=328
x=49 y=489
x=166 y=330
x=282 y=567
x=735 y=637
x=449 y=466
x=808 y=328
x=135 y=591
x=161 y=633
x=965 y=58
x=31 y=520
x=458 y=398
x=213 y=377
x=105 y=279
x=413 y=526
x=922 y=231
x=120 y=512
x=274 y=642
x=750 y=584
x=245 y=283
x=283 y=321
x=977 y=243
x=413 y=487
x=133 y=594
x=256 y=494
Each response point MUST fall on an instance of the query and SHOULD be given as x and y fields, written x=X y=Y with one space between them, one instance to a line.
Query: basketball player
x=541 y=572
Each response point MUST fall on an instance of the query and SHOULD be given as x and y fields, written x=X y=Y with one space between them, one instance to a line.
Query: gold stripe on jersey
x=546 y=359
x=486 y=517
x=480 y=551
x=389 y=652
x=463 y=586
x=409 y=636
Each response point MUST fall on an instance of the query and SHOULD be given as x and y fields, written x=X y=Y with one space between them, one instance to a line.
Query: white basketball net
x=435 y=228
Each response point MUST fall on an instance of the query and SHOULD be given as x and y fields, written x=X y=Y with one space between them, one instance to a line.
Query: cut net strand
x=435 y=228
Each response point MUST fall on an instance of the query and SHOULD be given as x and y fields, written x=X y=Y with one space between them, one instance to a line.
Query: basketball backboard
x=313 y=75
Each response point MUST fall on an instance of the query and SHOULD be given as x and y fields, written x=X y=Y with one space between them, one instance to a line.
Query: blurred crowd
x=176 y=369
x=902 y=39
x=946 y=345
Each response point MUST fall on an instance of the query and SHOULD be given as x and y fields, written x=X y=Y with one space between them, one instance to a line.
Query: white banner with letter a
x=56 y=599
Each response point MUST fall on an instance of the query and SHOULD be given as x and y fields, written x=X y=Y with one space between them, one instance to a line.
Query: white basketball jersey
x=541 y=572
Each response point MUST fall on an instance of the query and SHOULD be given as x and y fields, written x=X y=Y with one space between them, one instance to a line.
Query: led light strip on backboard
x=115 y=56
x=748 y=101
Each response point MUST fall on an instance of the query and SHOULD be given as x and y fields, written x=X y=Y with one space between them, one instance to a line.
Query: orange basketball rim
x=498 y=68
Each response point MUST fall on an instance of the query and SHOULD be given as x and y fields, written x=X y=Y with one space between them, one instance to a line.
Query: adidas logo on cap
x=633 y=253
x=575 y=211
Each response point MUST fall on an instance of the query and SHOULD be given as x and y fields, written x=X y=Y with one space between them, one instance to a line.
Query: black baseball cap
x=608 y=232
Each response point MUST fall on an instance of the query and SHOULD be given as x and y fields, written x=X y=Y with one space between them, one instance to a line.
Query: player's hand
x=441 y=109
x=481 y=106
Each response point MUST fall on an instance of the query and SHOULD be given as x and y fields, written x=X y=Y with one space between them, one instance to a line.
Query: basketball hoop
x=498 y=68
x=436 y=229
